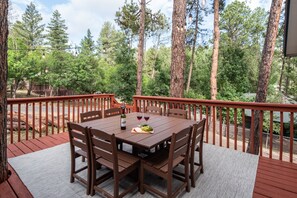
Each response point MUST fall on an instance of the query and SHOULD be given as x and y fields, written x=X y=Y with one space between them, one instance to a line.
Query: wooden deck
x=14 y=187
x=275 y=179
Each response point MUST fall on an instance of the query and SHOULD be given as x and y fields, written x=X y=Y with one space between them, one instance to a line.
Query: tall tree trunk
x=281 y=74
x=265 y=69
x=193 y=47
x=15 y=87
x=178 y=49
x=3 y=88
x=287 y=78
x=215 y=53
x=29 y=88
x=140 y=48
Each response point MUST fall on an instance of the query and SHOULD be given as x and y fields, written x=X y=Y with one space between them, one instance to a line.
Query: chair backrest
x=90 y=115
x=197 y=136
x=178 y=113
x=154 y=110
x=78 y=136
x=112 y=112
x=180 y=145
x=104 y=145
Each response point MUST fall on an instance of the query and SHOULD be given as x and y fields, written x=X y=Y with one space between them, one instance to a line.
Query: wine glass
x=139 y=117
x=146 y=117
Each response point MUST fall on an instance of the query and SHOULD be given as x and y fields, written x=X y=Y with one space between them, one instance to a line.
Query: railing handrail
x=231 y=104
x=55 y=98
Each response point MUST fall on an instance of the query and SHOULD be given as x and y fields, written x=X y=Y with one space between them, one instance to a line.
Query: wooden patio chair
x=196 y=146
x=163 y=162
x=78 y=136
x=177 y=113
x=112 y=112
x=154 y=110
x=119 y=163
x=90 y=115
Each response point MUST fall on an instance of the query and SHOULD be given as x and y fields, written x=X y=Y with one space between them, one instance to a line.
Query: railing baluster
x=46 y=118
x=200 y=112
x=206 y=124
x=221 y=126
x=270 y=134
x=33 y=118
x=19 y=122
x=27 y=124
x=243 y=130
x=68 y=109
x=235 y=129
x=214 y=124
x=252 y=129
x=58 y=116
x=261 y=132
x=91 y=101
x=228 y=126
x=11 y=123
x=52 y=111
x=194 y=112
x=78 y=111
x=73 y=110
x=63 y=115
x=281 y=136
x=291 y=135
x=40 y=119
x=189 y=107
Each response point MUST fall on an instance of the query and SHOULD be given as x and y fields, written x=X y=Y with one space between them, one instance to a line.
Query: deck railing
x=30 y=118
x=231 y=124
x=228 y=124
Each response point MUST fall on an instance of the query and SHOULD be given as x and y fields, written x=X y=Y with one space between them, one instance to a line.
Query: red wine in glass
x=146 y=117
x=139 y=117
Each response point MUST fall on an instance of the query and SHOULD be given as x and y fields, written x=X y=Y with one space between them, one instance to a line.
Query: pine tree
x=30 y=29
x=57 y=35
x=87 y=44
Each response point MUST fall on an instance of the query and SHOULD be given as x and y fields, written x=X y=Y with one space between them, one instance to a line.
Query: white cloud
x=88 y=14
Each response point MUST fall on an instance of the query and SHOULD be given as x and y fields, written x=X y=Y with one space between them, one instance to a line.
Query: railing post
x=135 y=109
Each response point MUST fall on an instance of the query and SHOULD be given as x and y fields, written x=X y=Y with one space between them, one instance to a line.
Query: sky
x=81 y=15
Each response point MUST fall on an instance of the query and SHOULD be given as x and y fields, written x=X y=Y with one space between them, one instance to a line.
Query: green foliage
x=128 y=20
x=57 y=35
x=30 y=29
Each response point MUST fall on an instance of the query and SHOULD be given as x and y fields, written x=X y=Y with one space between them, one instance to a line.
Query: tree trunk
x=193 y=47
x=281 y=74
x=178 y=49
x=3 y=88
x=215 y=53
x=265 y=69
x=29 y=88
x=140 y=48
x=15 y=87
x=287 y=78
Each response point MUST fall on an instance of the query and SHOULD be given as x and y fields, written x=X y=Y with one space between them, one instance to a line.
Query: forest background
x=40 y=54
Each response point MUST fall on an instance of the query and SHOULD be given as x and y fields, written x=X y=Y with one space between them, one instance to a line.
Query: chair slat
x=112 y=112
x=103 y=153
x=154 y=110
x=106 y=145
x=90 y=115
x=80 y=144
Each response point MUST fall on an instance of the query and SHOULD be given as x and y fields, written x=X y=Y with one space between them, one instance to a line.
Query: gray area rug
x=227 y=173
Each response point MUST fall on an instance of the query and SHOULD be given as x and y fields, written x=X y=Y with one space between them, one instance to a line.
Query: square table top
x=163 y=126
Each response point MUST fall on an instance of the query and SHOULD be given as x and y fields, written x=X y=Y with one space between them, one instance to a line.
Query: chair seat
x=159 y=160
x=125 y=161
x=80 y=152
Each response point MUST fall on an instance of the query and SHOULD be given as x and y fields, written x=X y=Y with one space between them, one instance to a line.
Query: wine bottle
x=123 y=118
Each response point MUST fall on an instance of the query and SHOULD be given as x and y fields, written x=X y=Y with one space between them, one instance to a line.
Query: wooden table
x=163 y=127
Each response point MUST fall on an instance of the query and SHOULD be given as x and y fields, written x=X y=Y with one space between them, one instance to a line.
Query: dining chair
x=90 y=115
x=112 y=112
x=196 y=146
x=118 y=163
x=78 y=137
x=163 y=162
x=154 y=110
x=177 y=113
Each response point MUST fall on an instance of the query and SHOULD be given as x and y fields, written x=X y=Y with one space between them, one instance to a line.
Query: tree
x=87 y=44
x=215 y=54
x=140 y=48
x=3 y=84
x=265 y=69
x=31 y=32
x=178 y=49
x=57 y=36
x=59 y=60
x=193 y=44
